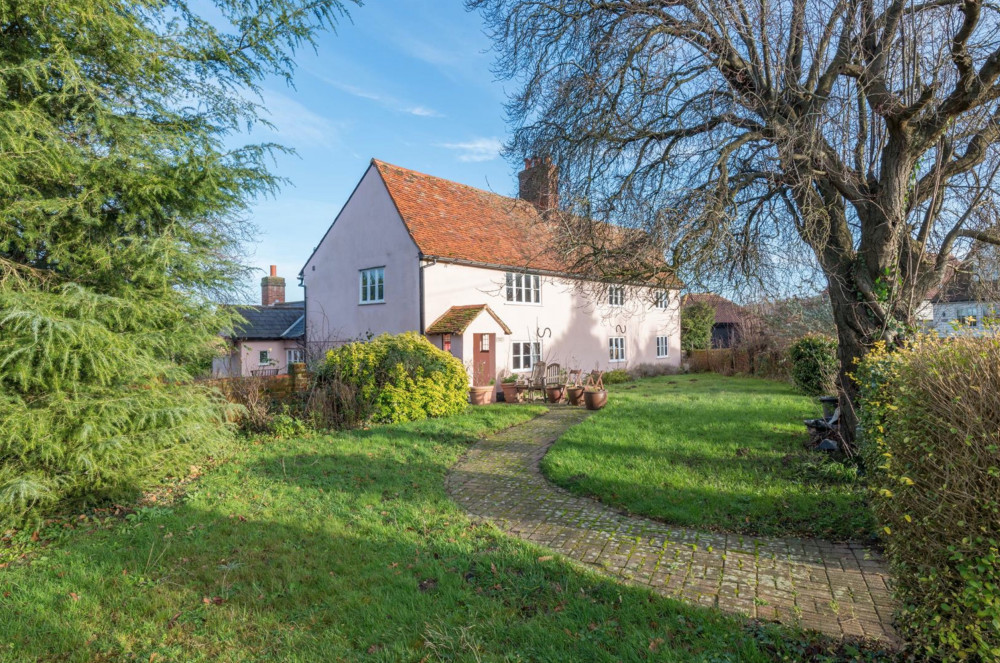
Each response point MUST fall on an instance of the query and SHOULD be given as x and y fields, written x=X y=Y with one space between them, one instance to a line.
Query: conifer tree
x=122 y=213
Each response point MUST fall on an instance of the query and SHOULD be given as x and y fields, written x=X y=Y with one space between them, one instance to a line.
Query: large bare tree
x=734 y=131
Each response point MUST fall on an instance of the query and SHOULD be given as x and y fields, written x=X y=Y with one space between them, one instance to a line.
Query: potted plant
x=554 y=393
x=574 y=394
x=512 y=392
x=595 y=399
x=481 y=392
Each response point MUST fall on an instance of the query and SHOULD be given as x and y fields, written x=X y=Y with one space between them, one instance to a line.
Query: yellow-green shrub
x=395 y=378
x=931 y=416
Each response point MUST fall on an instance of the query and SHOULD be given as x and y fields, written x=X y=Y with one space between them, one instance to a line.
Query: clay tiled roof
x=451 y=220
x=458 y=318
x=726 y=312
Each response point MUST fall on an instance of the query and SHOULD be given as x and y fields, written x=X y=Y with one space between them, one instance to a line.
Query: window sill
x=371 y=303
x=523 y=303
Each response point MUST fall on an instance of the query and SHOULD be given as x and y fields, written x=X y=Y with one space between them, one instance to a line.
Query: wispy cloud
x=476 y=150
x=296 y=124
x=384 y=100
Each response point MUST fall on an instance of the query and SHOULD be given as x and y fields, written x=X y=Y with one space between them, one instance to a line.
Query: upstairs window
x=662 y=299
x=372 y=285
x=616 y=295
x=524 y=288
x=616 y=349
x=524 y=354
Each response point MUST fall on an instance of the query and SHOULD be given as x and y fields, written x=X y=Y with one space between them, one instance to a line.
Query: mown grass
x=713 y=452
x=340 y=548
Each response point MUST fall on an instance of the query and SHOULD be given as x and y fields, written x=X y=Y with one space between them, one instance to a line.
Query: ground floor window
x=524 y=354
x=264 y=357
x=662 y=346
x=616 y=348
x=295 y=355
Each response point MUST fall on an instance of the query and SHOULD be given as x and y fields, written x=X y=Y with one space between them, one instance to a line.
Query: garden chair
x=575 y=378
x=552 y=375
x=536 y=381
x=595 y=380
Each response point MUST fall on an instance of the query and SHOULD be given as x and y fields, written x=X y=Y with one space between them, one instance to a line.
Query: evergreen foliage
x=814 y=364
x=696 y=326
x=121 y=217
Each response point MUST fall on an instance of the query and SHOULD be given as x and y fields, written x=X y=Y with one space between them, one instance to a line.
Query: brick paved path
x=838 y=589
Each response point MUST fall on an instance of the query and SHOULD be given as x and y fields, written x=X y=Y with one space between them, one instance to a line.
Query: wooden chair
x=595 y=380
x=536 y=381
x=575 y=378
x=552 y=375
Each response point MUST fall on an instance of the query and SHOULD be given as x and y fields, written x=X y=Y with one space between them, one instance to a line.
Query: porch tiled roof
x=458 y=318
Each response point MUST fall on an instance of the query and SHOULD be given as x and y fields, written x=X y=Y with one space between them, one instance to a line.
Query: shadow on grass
x=334 y=550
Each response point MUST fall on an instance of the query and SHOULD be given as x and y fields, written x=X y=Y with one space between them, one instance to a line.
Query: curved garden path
x=839 y=589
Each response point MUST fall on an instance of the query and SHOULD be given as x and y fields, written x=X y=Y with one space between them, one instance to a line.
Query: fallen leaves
x=214 y=600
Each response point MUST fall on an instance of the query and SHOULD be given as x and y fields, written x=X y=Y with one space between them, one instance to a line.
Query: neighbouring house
x=271 y=338
x=963 y=303
x=728 y=316
x=473 y=271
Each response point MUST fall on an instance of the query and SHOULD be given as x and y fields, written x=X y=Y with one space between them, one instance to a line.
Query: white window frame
x=369 y=289
x=662 y=299
x=616 y=349
x=616 y=296
x=662 y=347
x=527 y=287
x=294 y=356
x=517 y=355
x=263 y=357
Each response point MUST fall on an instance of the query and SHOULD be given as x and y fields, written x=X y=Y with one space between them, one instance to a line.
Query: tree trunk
x=857 y=330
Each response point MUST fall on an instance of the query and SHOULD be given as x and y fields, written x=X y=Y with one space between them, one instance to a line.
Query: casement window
x=616 y=295
x=524 y=288
x=969 y=316
x=372 y=286
x=616 y=348
x=264 y=357
x=524 y=354
x=662 y=346
x=295 y=355
x=662 y=299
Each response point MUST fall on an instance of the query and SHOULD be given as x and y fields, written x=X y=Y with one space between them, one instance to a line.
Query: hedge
x=814 y=364
x=393 y=378
x=931 y=443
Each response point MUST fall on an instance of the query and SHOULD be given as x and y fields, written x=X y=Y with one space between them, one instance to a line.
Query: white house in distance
x=472 y=271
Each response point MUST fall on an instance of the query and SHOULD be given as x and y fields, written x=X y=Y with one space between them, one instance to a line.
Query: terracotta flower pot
x=511 y=392
x=595 y=400
x=574 y=395
x=481 y=395
x=554 y=394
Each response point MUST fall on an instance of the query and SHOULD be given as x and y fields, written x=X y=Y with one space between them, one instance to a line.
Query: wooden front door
x=484 y=366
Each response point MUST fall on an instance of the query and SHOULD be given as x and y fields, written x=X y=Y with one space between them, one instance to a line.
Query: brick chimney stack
x=272 y=288
x=538 y=183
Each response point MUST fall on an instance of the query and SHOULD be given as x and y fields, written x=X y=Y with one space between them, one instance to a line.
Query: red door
x=484 y=367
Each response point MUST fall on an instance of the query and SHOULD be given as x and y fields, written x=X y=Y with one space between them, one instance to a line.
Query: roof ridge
x=379 y=163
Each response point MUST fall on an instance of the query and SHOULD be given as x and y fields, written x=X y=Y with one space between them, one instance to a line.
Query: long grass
x=714 y=452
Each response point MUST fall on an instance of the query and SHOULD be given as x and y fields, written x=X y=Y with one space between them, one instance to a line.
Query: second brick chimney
x=272 y=288
x=538 y=183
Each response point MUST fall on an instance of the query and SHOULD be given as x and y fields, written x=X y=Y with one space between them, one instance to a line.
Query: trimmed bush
x=931 y=418
x=617 y=376
x=393 y=378
x=814 y=364
x=696 y=326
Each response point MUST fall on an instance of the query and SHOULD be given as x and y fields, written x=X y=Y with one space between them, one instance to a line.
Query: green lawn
x=338 y=548
x=712 y=452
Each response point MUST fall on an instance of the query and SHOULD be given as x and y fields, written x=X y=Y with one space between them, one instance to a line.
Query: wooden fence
x=772 y=364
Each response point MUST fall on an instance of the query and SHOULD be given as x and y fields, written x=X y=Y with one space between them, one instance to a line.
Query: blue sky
x=407 y=81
